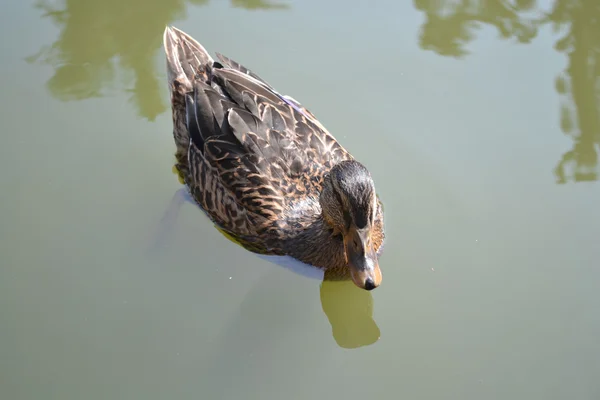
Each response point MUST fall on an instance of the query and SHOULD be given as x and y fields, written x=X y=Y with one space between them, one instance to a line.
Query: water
x=478 y=120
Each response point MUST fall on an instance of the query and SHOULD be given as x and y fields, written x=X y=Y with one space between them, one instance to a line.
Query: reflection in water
x=450 y=25
x=348 y=308
x=579 y=86
x=107 y=44
x=258 y=4
x=350 y=313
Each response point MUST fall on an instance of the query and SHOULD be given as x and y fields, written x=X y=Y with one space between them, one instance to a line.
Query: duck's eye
x=347 y=219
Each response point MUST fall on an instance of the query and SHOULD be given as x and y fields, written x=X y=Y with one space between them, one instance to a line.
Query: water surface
x=478 y=120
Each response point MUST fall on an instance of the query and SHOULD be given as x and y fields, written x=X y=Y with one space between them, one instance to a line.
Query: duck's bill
x=362 y=260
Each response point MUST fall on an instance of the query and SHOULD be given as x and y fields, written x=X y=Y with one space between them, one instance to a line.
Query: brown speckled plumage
x=256 y=161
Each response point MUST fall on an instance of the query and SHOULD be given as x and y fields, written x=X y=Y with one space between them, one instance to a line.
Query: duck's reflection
x=348 y=308
x=111 y=44
x=450 y=25
x=350 y=312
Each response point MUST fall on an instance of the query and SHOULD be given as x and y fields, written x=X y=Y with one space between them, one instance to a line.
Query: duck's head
x=349 y=206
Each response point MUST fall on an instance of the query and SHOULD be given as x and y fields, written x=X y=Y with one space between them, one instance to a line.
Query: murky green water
x=478 y=119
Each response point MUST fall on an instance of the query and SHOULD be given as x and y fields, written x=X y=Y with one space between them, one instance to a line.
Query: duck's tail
x=186 y=59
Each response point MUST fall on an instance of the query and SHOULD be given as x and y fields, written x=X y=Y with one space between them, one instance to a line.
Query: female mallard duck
x=265 y=170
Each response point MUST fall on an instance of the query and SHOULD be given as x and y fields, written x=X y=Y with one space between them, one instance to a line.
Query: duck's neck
x=312 y=241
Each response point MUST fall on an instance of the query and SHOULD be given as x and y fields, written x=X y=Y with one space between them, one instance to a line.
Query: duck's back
x=245 y=151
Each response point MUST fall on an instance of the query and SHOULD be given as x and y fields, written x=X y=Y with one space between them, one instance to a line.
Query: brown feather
x=253 y=159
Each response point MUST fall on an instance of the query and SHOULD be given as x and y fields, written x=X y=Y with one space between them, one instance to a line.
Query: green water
x=479 y=121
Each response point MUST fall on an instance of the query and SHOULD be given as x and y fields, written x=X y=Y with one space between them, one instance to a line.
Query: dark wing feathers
x=234 y=153
x=236 y=82
x=199 y=116
x=261 y=145
x=239 y=67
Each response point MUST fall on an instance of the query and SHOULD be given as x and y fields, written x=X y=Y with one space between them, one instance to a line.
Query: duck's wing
x=247 y=143
x=303 y=126
x=248 y=151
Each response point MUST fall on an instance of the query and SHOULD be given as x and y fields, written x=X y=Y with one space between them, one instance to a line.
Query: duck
x=266 y=171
